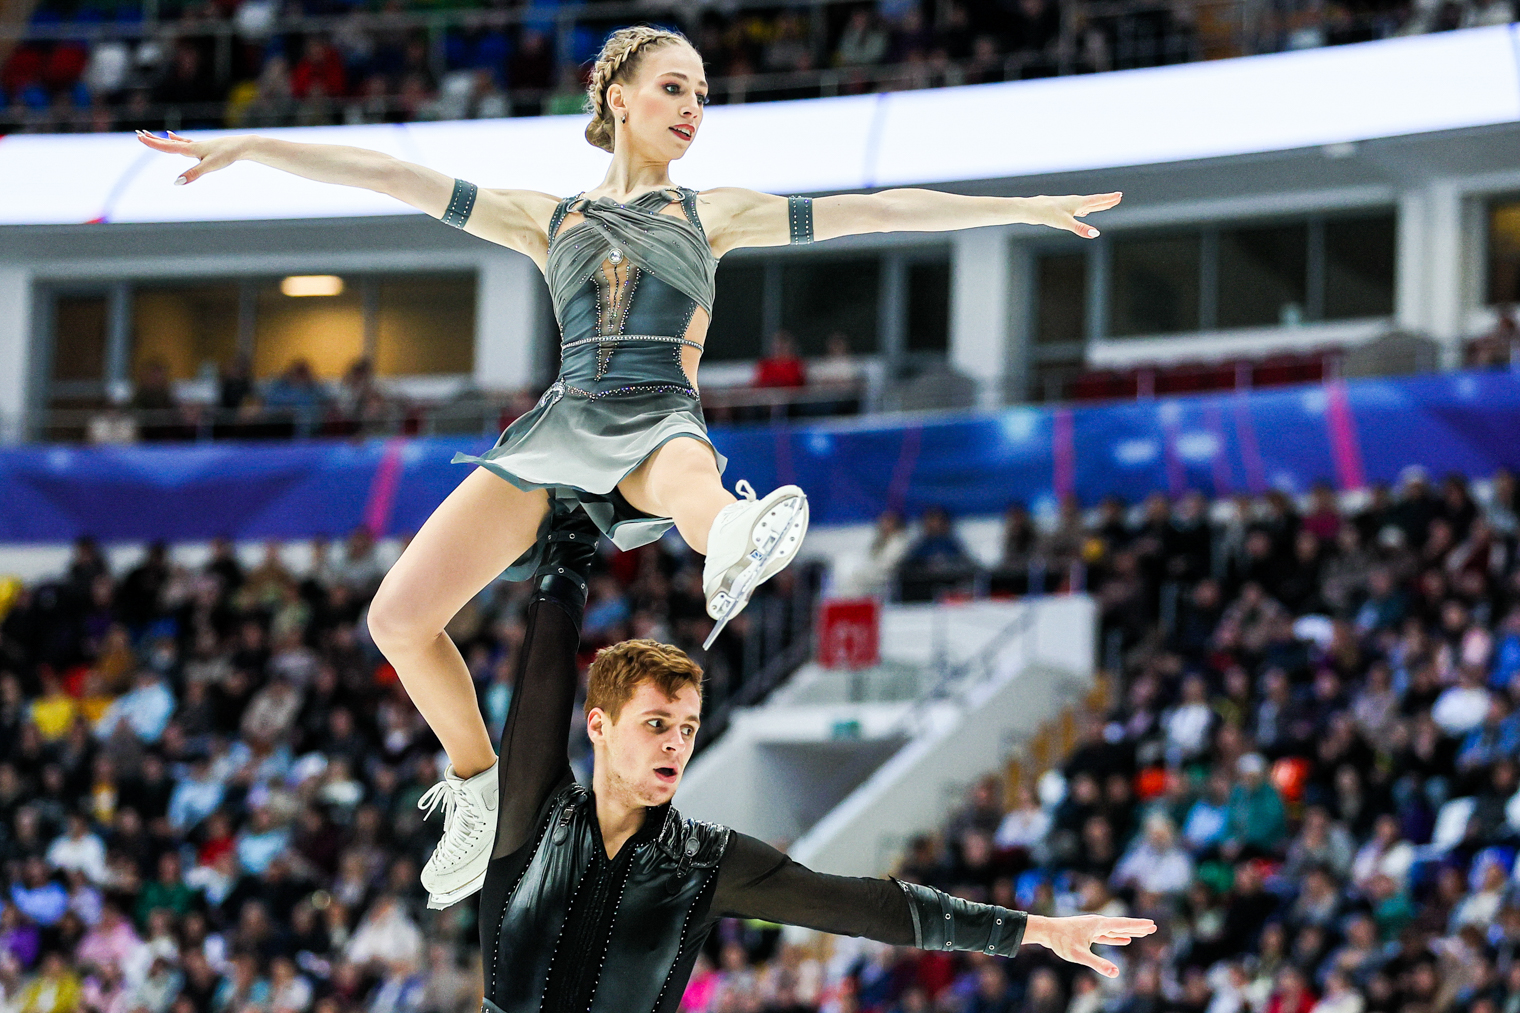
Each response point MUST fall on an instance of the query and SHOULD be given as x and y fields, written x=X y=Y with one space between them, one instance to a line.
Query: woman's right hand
x=214 y=154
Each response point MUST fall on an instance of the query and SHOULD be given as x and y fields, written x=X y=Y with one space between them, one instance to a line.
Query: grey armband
x=943 y=922
x=799 y=218
x=460 y=204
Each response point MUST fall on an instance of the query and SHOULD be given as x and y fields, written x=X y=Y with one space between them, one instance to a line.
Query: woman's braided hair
x=619 y=61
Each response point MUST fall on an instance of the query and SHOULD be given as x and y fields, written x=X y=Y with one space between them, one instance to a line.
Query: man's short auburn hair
x=618 y=670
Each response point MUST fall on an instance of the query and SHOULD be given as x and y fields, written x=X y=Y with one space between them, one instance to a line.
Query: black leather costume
x=564 y=928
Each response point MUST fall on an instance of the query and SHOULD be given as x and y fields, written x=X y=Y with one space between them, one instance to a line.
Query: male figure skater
x=598 y=899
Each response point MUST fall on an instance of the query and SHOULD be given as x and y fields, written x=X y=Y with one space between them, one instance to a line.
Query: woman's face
x=663 y=102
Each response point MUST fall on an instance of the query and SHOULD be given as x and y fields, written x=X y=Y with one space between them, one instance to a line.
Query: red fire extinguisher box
x=849 y=633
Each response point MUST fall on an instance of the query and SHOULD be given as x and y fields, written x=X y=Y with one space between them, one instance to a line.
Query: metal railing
x=1094 y=35
x=478 y=414
x=778 y=640
x=474 y=412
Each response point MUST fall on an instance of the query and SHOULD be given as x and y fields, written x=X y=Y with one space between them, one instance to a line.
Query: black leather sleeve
x=757 y=881
x=534 y=751
x=943 y=922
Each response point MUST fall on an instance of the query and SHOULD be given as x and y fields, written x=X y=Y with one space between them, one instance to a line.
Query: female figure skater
x=630 y=267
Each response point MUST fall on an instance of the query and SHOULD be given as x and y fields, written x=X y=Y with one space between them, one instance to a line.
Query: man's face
x=646 y=749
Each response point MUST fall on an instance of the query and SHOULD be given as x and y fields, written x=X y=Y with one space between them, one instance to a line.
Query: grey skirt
x=580 y=448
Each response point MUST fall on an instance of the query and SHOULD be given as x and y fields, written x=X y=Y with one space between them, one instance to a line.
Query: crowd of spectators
x=1307 y=775
x=90 y=65
x=209 y=777
x=293 y=404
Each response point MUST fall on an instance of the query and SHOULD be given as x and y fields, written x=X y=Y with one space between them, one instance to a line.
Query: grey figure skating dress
x=626 y=282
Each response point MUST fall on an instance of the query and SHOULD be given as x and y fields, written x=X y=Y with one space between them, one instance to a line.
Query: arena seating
x=1198 y=377
x=1304 y=775
x=100 y=65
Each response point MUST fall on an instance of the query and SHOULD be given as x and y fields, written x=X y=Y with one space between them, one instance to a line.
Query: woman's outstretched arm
x=742 y=217
x=517 y=219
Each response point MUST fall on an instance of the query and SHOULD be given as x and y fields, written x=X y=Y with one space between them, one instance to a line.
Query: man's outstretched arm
x=757 y=881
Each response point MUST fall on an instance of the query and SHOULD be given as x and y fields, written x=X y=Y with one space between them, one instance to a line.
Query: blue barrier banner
x=973 y=464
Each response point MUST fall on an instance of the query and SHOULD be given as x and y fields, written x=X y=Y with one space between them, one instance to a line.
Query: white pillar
x=1431 y=263
x=1019 y=370
x=1410 y=304
x=15 y=350
x=507 y=321
x=980 y=290
x=1446 y=265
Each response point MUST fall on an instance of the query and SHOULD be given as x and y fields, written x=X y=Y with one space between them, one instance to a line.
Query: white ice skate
x=751 y=541
x=457 y=866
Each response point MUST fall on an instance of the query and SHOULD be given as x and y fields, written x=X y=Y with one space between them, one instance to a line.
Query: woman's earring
x=625 y=117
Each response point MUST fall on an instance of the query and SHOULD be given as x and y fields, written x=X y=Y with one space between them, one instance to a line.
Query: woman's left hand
x=1063 y=212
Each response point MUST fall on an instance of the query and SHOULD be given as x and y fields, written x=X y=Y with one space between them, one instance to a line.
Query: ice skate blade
x=732 y=602
x=439 y=901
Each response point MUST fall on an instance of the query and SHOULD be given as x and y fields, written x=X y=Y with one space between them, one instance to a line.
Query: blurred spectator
x=937 y=558
x=146 y=709
x=872 y=575
x=55 y=988
x=1257 y=817
x=532 y=66
x=79 y=849
x=154 y=401
x=295 y=397
x=570 y=95
x=190 y=87
x=274 y=101
x=320 y=68
x=234 y=383
x=838 y=372
x=863 y=42
x=782 y=367
x=1496 y=348
x=1155 y=863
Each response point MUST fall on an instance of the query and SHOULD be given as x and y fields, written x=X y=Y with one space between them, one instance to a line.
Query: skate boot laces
x=463 y=821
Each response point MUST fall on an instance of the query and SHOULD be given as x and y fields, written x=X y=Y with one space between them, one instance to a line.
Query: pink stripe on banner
x=1341 y=428
x=1063 y=452
x=1176 y=478
x=1250 y=453
x=382 y=489
x=785 y=474
x=1223 y=482
x=902 y=473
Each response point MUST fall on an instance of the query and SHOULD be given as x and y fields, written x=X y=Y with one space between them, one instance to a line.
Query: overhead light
x=312 y=284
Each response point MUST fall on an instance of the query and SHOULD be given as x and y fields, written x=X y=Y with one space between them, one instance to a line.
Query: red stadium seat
x=23 y=68
x=64 y=65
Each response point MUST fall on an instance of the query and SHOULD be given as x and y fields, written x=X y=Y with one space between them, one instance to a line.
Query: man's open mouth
x=665 y=773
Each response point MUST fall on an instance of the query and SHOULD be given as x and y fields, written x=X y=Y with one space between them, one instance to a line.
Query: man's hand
x=1073 y=938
